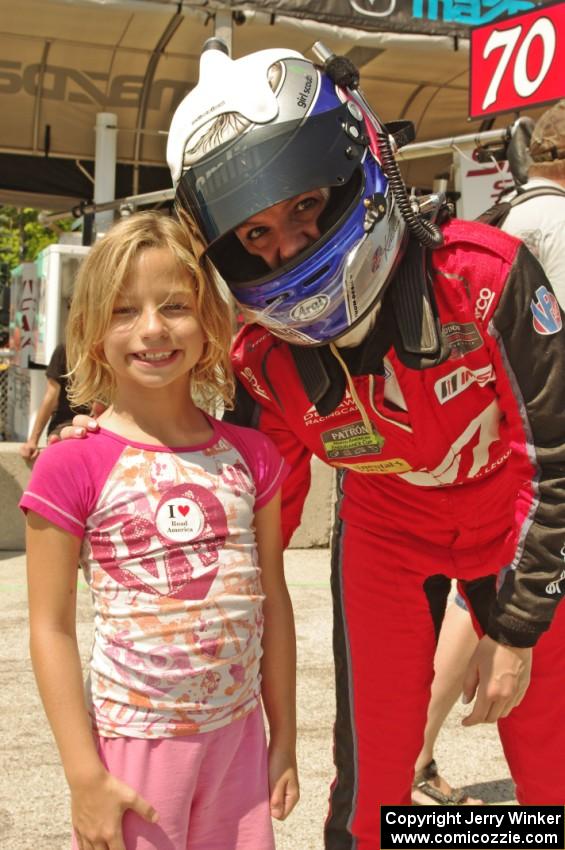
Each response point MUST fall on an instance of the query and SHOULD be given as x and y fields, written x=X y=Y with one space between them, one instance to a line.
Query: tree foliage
x=22 y=236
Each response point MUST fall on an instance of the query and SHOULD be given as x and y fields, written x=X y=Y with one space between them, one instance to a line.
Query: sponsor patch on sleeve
x=546 y=313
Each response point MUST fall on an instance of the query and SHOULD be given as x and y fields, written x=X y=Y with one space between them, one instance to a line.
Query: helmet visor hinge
x=376 y=207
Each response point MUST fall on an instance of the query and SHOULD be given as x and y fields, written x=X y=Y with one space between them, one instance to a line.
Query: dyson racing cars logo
x=546 y=313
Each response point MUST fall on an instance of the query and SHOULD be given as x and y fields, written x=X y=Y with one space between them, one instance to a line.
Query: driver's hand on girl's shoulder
x=81 y=425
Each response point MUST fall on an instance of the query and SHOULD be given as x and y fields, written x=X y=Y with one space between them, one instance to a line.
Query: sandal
x=422 y=782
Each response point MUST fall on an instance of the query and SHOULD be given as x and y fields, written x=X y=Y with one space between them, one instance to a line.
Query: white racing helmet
x=259 y=130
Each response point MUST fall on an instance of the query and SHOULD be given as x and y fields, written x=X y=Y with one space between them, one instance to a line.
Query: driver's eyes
x=308 y=204
x=255 y=233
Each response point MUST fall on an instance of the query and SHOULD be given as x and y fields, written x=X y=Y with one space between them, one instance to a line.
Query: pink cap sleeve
x=66 y=480
x=268 y=468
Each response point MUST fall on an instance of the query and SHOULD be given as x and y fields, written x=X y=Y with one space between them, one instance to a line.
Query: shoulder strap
x=496 y=215
x=536 y=192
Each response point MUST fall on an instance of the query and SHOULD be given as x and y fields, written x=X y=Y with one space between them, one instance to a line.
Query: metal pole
x=133 y=201
x=223 y=27
x=105 y=166
x=171 y=29
x=446 y=145
x=87 y=228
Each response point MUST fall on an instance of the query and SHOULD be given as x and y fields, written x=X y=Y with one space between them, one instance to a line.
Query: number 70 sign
x=518 y=62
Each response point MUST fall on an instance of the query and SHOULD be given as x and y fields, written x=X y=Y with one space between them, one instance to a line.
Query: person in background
x=539 y=220
x=174 y=518
x=55 y=409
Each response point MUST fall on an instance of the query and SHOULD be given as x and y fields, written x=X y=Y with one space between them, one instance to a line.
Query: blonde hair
x=100 y=280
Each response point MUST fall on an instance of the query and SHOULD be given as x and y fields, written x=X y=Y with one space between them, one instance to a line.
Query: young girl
x=174 y=519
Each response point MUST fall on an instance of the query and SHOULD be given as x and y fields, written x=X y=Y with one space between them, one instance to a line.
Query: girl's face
x=154 y=339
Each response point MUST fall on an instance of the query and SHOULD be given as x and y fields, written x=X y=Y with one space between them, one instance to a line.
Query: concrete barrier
x=314 y=531
x=14 y=475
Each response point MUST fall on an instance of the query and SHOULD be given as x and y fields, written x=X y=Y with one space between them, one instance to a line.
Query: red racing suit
x=463 y=474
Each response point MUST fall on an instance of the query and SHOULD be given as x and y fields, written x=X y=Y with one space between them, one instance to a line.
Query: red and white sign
x=479 y=183
x=518 y=62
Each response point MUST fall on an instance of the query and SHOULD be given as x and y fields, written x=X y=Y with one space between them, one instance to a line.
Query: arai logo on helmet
x=310 y=309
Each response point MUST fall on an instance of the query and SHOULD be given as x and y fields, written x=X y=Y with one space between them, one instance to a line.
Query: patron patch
x=351 y=440
x=546 y=313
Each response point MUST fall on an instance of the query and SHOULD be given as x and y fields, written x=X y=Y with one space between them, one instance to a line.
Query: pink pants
x=210 y=790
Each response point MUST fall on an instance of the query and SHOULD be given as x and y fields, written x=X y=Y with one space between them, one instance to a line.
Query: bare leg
x=457 y=642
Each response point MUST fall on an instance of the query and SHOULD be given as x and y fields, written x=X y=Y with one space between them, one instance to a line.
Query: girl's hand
x=98 y=807
x=283 y=782
x=500 y=676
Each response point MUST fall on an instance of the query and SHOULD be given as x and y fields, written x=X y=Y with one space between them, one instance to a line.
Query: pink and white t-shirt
x=168 y=550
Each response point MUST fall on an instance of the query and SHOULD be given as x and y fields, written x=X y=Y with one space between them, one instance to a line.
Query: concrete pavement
x=33 y=795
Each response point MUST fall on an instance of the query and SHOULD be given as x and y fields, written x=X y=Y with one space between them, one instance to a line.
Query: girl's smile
x=156 y=358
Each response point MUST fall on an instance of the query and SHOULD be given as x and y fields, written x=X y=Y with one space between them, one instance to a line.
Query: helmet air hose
x=427 y=233
x=344 y=74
